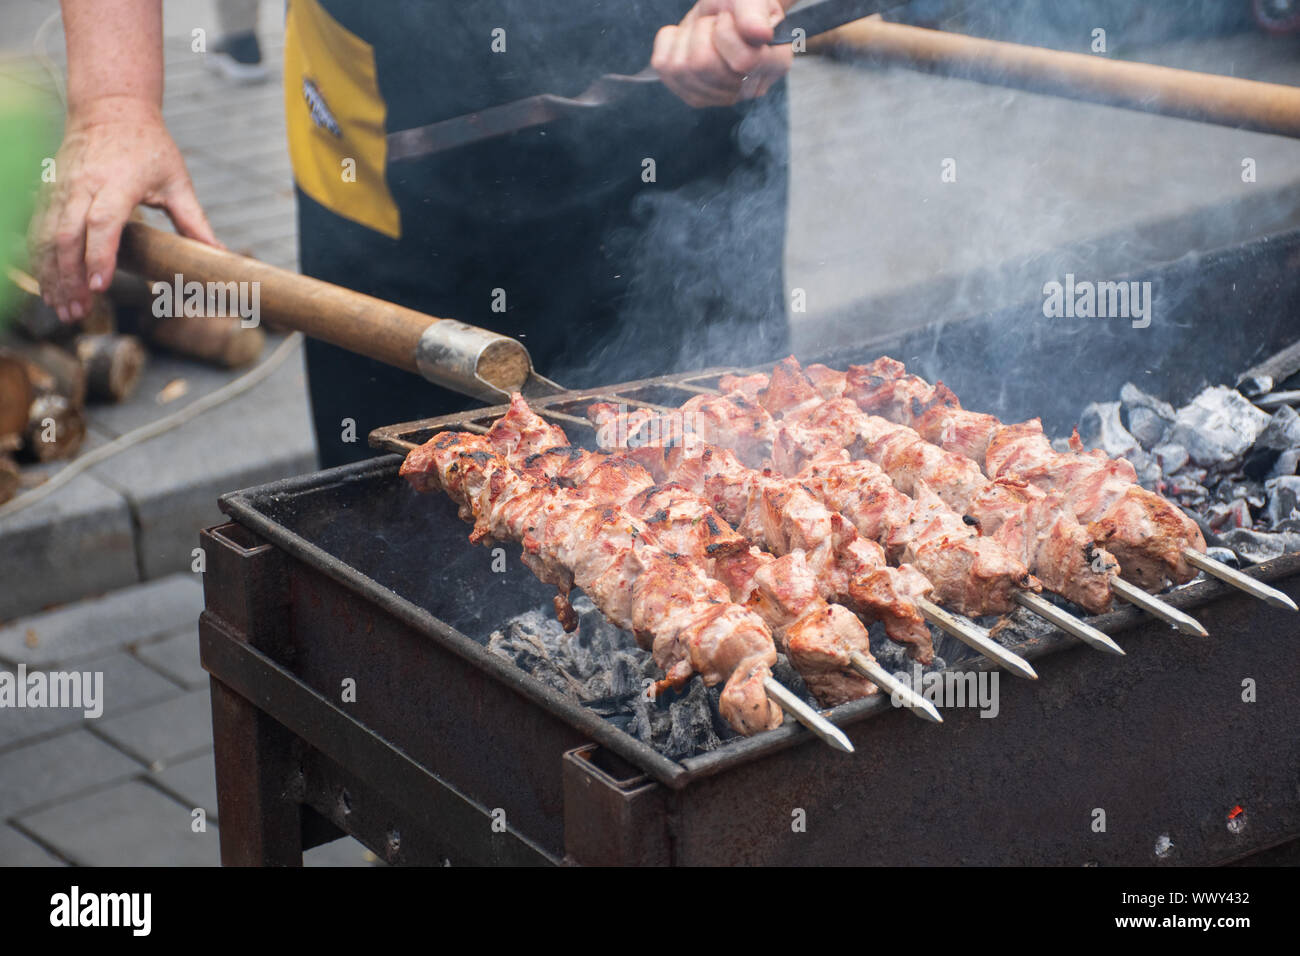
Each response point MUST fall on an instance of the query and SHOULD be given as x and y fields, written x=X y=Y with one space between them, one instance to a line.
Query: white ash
x=1283 y=499
x=1218 y=427
x=602 y=668
x=1277 y=449
x=1100 y=427
x=1146 y=417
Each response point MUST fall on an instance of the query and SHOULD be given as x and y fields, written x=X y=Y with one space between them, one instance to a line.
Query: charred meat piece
x=1033 y=526
x=817 y=637
x=1146 y=533
x=780 y=515
x=685 y=618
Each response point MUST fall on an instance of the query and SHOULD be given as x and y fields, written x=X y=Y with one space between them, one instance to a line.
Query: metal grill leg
x=260 y=818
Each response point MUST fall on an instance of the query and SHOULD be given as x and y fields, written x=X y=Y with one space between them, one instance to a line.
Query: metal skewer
x=1277 y=399
x=1153 y=605
x=814 y=721
x=1037 y=604
x=975 y=637
x=1230 y=575
x=913 y=701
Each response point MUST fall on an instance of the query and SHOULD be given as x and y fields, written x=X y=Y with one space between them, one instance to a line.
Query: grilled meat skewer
x=684 y=618
x=781 y=516
x=820 y=639
x=1148 y=534
x=971 y=574
x=1033 y=525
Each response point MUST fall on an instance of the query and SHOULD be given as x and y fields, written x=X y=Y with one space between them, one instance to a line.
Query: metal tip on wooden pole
x=1239 y=580
x=1153 y=605
x=975 y=637
x=1037 y=604
x=814 y=721
x=913 y=701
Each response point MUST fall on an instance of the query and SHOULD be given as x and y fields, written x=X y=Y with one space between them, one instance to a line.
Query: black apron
x=604 y=276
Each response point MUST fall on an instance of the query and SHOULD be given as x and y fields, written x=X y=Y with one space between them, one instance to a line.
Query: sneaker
x=238 y=58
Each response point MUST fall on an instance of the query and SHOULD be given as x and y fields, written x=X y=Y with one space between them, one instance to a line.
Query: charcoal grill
x=449 y=753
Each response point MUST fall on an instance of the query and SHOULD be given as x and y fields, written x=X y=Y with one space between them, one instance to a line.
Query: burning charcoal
x=785 y=674
x=1283 y=499
x=1100 y=427
x=1282 y=435
x=1230 y=488
x=1186 y=486
x=1217 y=427
x=1257 y=546
x=1147 y=417
x=1170 y=456
x=690 y=723
x=1288 y=463
x=1229 y=514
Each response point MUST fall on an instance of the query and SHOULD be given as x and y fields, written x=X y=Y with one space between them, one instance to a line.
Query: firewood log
x=112 y=364
x=55 y=429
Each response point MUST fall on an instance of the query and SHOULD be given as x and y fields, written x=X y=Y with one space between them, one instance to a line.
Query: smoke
x=704 y=252
x=949 y=273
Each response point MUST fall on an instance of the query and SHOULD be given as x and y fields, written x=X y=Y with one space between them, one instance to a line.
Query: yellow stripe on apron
x=335 y=118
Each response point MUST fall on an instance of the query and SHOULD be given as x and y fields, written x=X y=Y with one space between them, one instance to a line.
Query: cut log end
x=112 y=363
x=55 y=429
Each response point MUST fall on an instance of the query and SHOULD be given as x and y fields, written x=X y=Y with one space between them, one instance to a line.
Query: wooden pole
x=1209 y=98
x=359 y=323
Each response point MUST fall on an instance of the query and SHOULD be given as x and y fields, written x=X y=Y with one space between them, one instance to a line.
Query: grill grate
x=566 y=409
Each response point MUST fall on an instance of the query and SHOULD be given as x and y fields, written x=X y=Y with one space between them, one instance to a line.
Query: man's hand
x=719 y=53
x=116 y=153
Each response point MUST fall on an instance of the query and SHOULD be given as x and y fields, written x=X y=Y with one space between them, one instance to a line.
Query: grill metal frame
x=444 y=733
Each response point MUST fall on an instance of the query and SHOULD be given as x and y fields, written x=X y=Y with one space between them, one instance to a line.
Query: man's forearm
x=114 y=50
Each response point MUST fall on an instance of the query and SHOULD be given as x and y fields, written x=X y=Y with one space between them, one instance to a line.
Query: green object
x=25 y=143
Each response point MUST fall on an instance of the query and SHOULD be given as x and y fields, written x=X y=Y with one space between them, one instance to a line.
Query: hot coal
x=601 y=667
x=1229 y=464
x=1100 y=426
x=1257 y=546
x=1146 y=417
x=1218 y=427
x=1276 y=450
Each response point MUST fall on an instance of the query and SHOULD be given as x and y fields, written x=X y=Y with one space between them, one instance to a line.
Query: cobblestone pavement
x=123 y=788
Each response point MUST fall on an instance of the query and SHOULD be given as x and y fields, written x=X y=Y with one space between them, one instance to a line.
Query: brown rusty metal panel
x=613 y=814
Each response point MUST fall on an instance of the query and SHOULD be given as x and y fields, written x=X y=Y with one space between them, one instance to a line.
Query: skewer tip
x=914 y=702
x=1094 y=638
x=819 y=725
x=1153 y=605
x=1239 y=580
x=976 y=638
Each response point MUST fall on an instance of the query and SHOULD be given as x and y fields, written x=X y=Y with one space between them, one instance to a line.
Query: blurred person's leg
x=236 y=54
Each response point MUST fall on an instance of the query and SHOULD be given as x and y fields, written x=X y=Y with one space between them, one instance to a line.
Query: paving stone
x=162 y=732
x=59 y=767
x=85 y=526
x=90 y=627
x=17 y=849
x=131 y=824
x=193 y=782
x=173 y=481
x=128 y=684
x=177 y=657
